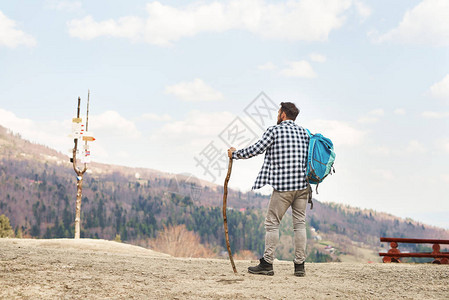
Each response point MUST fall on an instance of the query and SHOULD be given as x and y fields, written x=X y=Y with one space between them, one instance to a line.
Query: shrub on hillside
x=5 y=228
x=179 y=242
x=245 y=255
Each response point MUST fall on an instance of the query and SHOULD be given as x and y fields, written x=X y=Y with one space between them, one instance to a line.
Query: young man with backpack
x=284 y=168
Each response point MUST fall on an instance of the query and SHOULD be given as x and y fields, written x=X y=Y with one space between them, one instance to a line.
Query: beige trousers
x=279 y=203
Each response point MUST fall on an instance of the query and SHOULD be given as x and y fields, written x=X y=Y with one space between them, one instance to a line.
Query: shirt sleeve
x=258 y=148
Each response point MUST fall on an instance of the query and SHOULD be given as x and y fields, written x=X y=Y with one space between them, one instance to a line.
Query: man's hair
x=290 y=109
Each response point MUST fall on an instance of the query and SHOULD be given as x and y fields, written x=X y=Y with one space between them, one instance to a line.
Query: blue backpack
x=321 y=158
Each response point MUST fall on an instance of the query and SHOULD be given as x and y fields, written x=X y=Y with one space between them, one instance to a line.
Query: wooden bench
x=394 y=255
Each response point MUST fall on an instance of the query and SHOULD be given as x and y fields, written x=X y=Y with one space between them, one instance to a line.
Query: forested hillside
x=38 y=191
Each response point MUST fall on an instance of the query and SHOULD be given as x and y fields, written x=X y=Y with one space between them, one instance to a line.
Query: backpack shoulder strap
x=308 y=132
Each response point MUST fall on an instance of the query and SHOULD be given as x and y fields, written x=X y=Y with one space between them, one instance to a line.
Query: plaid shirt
x=284 y=167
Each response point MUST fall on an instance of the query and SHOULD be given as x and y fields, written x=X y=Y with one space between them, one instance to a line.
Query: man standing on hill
x=284 y=168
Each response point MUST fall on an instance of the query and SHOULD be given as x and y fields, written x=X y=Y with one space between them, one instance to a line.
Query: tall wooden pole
x=79 y=173
x=79 y=186
x=225 y=219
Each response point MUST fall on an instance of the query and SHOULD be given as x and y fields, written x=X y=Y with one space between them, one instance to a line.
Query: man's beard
x=279 y=120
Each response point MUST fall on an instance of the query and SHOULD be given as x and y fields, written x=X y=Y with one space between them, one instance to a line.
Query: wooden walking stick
x=225 y=220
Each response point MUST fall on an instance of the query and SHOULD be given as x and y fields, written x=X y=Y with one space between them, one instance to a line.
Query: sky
x=173 y=84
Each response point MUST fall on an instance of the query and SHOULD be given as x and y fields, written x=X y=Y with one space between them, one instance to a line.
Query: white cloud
x=435 y=114
x=363 y=10
x=317 y=57
x=156 y=117
x=441 y=88
x=368 y=120
x=12 y=37
x=109 y=128
x=380 y=150
x=372 y=116
x=116 y=138
x=200 y=123
x=441 y=146
x=267 y=66
x=377 y=112
x=445 y=178
x=292 y=20
x=111 y=124
x=341 y=133
x=415 y=146
x=196 y=130
x=446 y=145
x=87 y=28
x=63 y=5
x=384 y=174
x=11 y=121
x=426 y=23
x=53 y=134
x=194 y=91
x=399 y=111
x=301 y=69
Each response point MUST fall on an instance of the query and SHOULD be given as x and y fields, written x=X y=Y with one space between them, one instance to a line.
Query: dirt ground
x=98 y=269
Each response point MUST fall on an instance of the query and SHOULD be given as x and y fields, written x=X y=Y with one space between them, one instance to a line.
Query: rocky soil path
x=98 y=269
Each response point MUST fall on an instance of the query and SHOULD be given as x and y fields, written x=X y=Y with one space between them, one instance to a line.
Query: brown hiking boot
x=299 y=270
x=262 y=268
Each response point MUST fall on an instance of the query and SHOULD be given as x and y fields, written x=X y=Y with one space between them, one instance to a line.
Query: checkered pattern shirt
x=284 y=167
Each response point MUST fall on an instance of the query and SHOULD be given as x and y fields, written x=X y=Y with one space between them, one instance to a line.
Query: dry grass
x=180 y=242
x=245 y=255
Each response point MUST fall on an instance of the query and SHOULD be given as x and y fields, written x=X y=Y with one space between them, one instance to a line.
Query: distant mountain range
x=38 y=192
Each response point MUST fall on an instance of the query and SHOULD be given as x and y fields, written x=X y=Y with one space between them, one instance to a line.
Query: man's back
x=286 y=158
x=284 y=167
